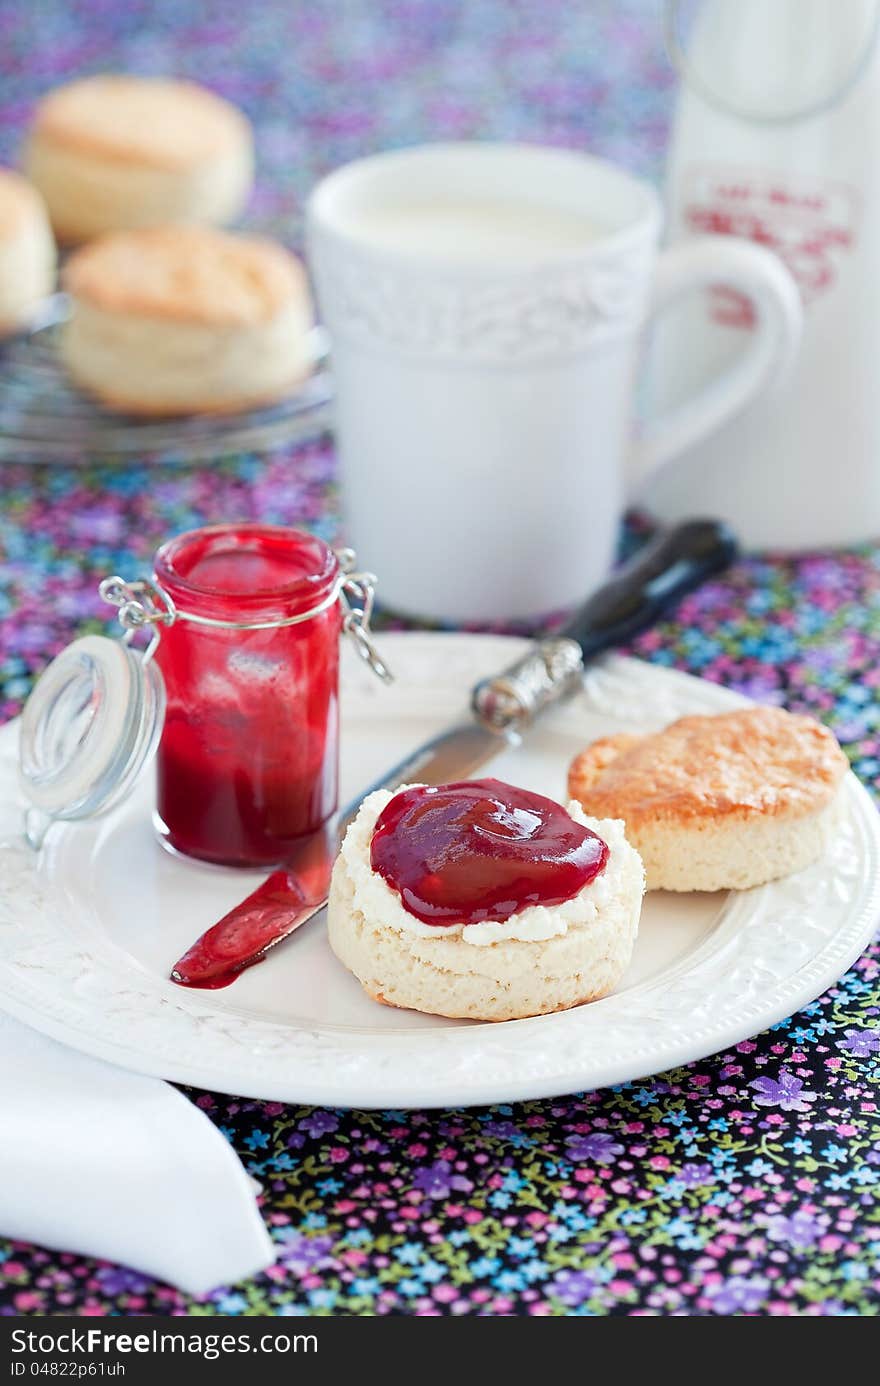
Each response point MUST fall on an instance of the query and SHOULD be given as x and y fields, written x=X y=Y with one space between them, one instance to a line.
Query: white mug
x=485 y=304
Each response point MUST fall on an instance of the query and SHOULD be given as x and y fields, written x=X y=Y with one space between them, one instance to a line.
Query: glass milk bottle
x=776 y=138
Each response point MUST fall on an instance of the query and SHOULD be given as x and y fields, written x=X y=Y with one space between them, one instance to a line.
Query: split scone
x=186 y=319
x=719 y=803
x=113 y=152
x=27 y=252
x=481 y=901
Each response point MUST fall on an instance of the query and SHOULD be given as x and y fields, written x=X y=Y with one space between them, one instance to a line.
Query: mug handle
x=764 y=280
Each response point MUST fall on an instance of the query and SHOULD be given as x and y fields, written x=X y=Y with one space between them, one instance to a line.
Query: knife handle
x=660 y=574
x=655 y=579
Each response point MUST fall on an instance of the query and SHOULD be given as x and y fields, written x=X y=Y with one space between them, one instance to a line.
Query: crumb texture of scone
x=27 y=252
x=719 y=802
x=541 y=960
x=180 y=319
x=118 y=151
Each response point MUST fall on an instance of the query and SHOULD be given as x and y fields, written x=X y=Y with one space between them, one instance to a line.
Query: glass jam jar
x=237 y=688
x=247 y=760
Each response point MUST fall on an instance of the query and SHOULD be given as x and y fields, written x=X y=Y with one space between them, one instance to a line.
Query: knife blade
x=503 y=707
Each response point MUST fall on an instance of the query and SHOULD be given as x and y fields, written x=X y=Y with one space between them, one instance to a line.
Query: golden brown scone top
x=152 y=120
x=760 y=760
x=189 y=273
x=19 y=202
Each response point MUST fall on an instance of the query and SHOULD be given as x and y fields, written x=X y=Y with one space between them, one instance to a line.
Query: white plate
x=89 y=929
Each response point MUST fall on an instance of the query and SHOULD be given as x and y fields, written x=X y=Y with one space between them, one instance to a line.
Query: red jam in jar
x=481 y=850
x=247 y=763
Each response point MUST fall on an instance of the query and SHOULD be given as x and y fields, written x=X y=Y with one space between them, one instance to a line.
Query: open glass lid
x=88 y=729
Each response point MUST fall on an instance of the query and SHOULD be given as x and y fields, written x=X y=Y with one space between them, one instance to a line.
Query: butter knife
x=503 y=707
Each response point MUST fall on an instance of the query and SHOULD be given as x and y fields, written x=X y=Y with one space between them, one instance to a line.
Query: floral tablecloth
x=742 y=1184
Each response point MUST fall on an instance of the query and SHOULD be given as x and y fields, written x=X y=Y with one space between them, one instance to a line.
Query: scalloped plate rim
x=581 y=1065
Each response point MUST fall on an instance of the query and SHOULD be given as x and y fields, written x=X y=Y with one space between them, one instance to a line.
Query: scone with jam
x=484 y=901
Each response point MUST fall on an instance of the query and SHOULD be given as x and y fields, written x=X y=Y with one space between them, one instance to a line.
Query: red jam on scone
x=481 y=850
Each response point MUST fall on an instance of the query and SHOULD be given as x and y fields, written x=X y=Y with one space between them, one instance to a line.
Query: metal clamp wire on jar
x=144 y=604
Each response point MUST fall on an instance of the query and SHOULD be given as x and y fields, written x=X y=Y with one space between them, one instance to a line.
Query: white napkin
x=111 y=1164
